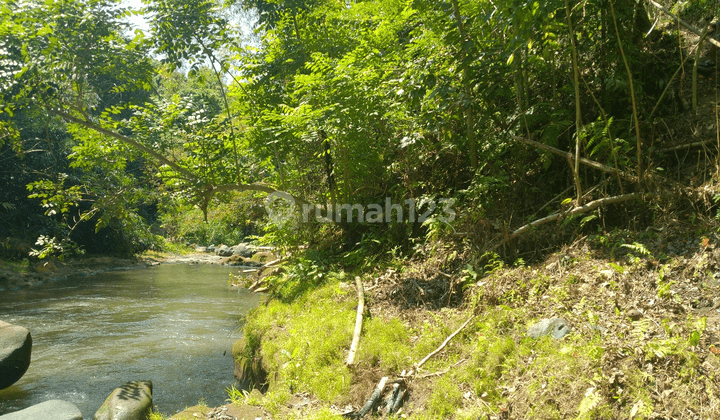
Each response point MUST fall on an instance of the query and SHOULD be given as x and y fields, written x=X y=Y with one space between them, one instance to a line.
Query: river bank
x=642 y=341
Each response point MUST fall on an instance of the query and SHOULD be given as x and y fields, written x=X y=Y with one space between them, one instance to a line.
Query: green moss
x=385 y=344
x=446 y=398
x=304 y=343
x=16 y=266
x=324 y=414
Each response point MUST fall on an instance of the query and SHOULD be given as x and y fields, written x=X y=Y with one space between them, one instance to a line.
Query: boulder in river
x=15 y=350
x=243 y=250
x=131 y=401
x=49 y=410
x=555 y=327
x=223 y=251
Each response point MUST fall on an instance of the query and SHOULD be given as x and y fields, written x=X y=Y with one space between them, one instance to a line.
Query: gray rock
x=132 y=401
x=634 y=314
x=243 y=250
x=211 y=248
x=15 y=350
x=556 y=327
x=223 y=251
x=49 y=410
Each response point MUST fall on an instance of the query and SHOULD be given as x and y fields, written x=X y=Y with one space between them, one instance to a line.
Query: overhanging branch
x=208 y=190
x=597 y=165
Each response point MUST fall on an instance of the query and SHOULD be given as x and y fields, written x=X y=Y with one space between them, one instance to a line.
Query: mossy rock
x=263 y=257
x=238 y=260
x=249 y=368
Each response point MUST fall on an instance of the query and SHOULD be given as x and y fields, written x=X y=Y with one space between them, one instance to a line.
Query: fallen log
x=374 y=398
x=442 y=346
x=591 y=163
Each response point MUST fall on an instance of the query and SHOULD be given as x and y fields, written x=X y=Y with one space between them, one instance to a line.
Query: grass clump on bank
x=302 y=344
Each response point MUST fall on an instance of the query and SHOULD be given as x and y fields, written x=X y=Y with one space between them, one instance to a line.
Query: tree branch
x=127 y=140
x=442 y=346
x=597 y=165
x=209 y=189
x=683 y=23
x=577 y=210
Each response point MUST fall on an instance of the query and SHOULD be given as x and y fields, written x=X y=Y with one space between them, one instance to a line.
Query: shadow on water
x=173 y=324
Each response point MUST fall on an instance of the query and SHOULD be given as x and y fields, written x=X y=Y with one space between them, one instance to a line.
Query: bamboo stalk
x=578 y=114
x=632 y=95
x=358 y=321
x=667 y=86
x=695 y=67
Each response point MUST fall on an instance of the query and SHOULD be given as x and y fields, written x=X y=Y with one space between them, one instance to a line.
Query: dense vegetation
x=333 y=103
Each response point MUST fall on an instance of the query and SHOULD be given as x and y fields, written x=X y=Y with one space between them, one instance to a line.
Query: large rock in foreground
x=132 y=401
x=243 y=250
x=223 y=251
x=49 y=410
x=15 y=349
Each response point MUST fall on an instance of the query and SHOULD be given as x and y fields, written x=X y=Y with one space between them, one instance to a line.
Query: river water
x=173 y=324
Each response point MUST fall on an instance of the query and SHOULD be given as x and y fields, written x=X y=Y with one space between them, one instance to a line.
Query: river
x=173 y=324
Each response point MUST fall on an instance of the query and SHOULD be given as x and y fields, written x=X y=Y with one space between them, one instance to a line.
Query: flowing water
x=173 y=324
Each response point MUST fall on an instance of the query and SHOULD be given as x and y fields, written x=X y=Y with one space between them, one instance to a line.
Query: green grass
x=304 y=343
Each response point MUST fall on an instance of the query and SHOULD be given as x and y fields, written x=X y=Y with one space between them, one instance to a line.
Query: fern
x=598 y=137
x=641 y=409
x=638 y=248
x=589 y=403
